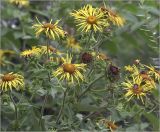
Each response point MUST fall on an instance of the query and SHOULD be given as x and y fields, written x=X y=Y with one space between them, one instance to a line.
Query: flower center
x=8 y=77
x=87 y=58
x=136 y=89
x=114 y=70
x=112 y=125
x=48 y=25
x=70 y=68
x=52 y=49
x=91 y=20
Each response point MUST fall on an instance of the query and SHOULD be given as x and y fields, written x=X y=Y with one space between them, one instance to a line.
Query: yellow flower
x=20 y=2
x=102 y=56
x=51 y=30
x=113 y=17
x=153 y=72
x=89 y=18
x=109 y=124
x=11 y=80
x=137 y=87
x=70 y=72
x=72 y=43
x=3 y=54
x=31 y=52
x=51 y=49
x=129 y=68
x=132 y=69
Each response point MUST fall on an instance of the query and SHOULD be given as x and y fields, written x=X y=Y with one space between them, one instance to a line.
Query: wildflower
x=137 y=87
x=20 y=2
x=51 y=50
x=102 y=56
x=109 y=124
x=153 y=72
x=11 y=80
x=72 y=43
x=137 y=61
x=86 y=58
x=145 y=75
x=129 y=68
x=89 y=18
x=70 y=72
x=113 y=17
x=31 y=52
x=3 y=54
x=51 y=30
x=132 y=69
x=114 y=70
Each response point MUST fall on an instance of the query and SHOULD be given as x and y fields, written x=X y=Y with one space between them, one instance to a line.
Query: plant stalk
x=62 y=107
x=89 y=86
x=16 y=111
x=42 y=110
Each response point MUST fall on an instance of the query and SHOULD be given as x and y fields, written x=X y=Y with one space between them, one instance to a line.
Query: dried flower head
x=86 y=58
x=108 y=124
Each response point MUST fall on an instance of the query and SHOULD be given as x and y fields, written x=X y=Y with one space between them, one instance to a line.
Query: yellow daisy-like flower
x=72 y=43
x=89 y=18
x=113 y=16
x=102 y=56
x=109 y=124
x=137 y=87
x=70 y=72
x=20 y=2
x=52 y=30
x=129 y=68
x=51 y=49
x=132 y=69
x=11 y=80
x=3 y=54
x=31 y=52
x=153 y=72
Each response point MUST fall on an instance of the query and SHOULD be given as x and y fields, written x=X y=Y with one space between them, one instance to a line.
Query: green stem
x=48 y=57
x=62 y=107
x=42 y=110
x=89 y=38
x=48 y=48
x=89 y=86
x=16 y=111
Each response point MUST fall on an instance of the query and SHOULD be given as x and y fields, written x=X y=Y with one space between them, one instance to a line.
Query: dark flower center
x=136 y=89
x=86 y=58
x=114 y=70
x=8 y=77
x=70 y=68
x=91 y=20
x=48 y=25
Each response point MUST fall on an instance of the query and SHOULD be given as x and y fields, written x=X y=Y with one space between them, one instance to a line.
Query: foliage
x=49 y=104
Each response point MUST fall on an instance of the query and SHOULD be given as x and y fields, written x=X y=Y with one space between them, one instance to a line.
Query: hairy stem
x=42 y=110
x=48 y=57
x=62 y=107
x=16 y=111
